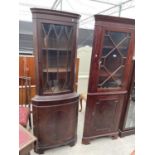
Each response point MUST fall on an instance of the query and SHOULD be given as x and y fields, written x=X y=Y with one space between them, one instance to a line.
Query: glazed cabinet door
x=112 y=56
x=129 y=120
x=106 y=114
x=130 y=116
x=55 y=124
x=57 y=57
x=114 y=59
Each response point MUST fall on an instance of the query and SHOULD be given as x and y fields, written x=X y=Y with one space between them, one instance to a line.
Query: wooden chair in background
x=76 y=74
x=77 y=62
x=83 y=96
x=24 y=100
x=27 y=87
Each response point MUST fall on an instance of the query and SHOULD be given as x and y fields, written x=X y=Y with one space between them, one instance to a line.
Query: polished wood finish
x=27 y=67
x=55 y=120
x=123 y=130
x=55 y=107
x=22 y=90
x=110 y=71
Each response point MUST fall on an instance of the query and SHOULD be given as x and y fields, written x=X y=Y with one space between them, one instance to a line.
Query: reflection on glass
x=113 y=58
x=130 y=121
x=56 y=53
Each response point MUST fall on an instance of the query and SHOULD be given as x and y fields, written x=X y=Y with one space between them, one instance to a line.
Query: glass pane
x=56 y=57
x=113 y=59
x=106 y=50
x=108 y=42
x=111 y=81
x=117 y=37
x=123 y=47
x=56 y=36
x=130 y=121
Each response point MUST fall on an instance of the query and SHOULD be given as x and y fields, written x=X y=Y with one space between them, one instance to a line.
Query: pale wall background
x=84 y=53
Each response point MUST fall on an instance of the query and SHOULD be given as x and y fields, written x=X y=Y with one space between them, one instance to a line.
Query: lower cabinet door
x=56 y=124
x=106 y=113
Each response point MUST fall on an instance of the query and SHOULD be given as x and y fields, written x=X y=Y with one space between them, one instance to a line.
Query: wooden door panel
x=106 y=114
x=56 y=124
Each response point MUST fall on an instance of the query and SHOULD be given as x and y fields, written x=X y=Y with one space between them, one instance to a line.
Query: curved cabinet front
x=55 y=121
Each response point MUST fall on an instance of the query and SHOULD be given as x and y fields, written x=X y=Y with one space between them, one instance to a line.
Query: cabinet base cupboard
x=55 y=107
x=55 y=120
x=110 y=72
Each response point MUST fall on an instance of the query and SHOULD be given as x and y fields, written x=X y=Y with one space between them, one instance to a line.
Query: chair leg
x=30 y=122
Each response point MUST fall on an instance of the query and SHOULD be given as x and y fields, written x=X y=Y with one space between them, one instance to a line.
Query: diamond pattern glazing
x=113 y=59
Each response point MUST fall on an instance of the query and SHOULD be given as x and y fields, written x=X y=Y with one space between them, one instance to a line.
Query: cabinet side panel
x=94 y=59
x=36 y=54
x=88 y=126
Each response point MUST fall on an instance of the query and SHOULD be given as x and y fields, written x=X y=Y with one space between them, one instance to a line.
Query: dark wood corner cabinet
x=110 y=71
x=127 y=124
x=55 y=107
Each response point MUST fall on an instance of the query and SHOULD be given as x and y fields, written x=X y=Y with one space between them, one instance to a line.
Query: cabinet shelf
x=56 y=49
x=54 y=70
x=56 y=91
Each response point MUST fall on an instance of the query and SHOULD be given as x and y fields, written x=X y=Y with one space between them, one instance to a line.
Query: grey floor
x=101 y=146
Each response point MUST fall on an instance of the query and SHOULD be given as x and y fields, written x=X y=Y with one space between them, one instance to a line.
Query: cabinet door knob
x=96 y=55
x=116 y=101
x=97 y=102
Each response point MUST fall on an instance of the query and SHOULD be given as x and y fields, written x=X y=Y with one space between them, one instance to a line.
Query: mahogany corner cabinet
x=127 y=124
x=110 y=73
x=55 y=107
